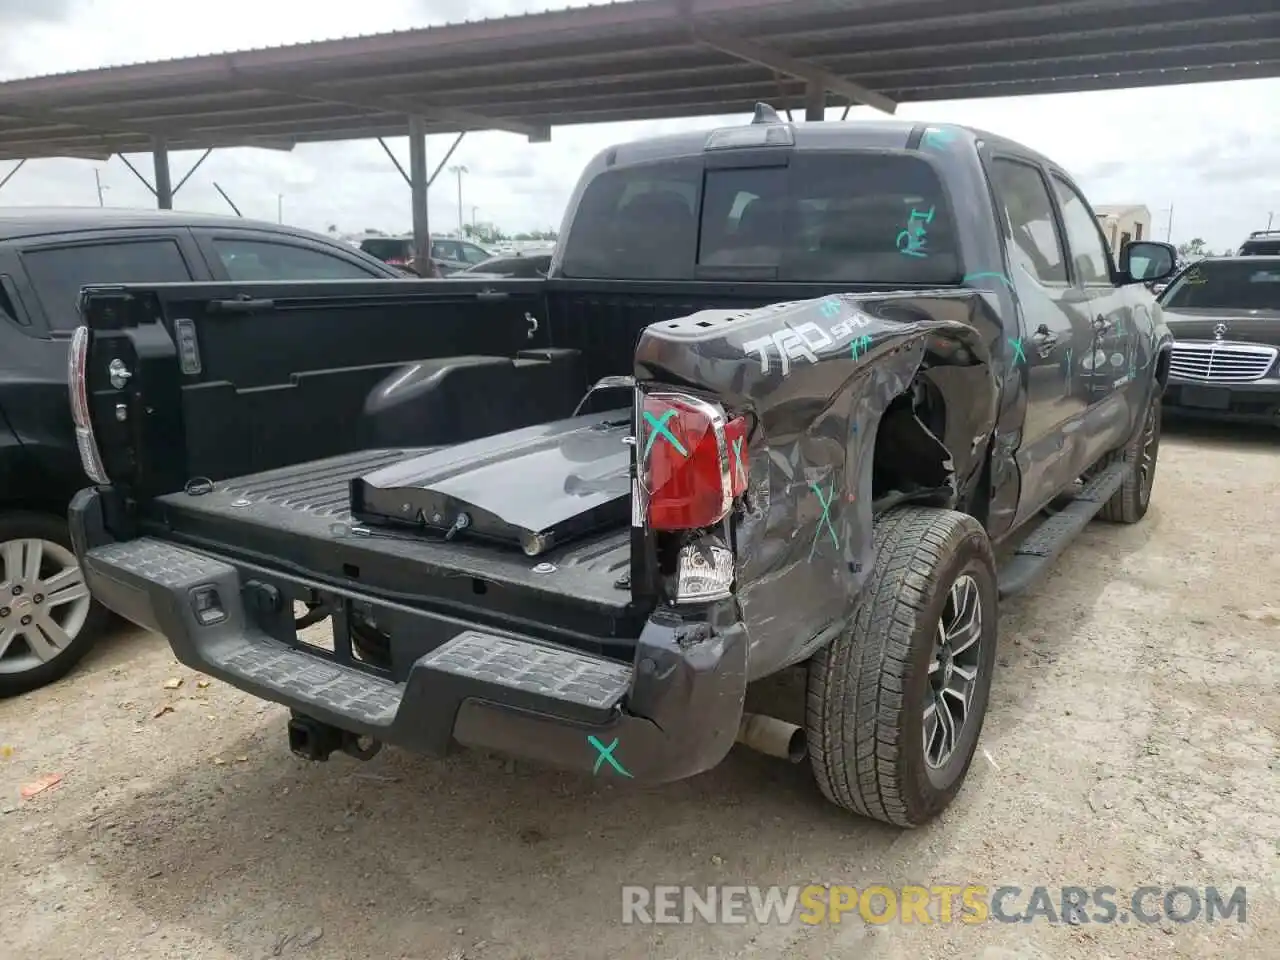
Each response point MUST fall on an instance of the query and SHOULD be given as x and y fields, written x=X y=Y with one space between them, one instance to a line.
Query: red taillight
x=77 y=359
x=692 y=462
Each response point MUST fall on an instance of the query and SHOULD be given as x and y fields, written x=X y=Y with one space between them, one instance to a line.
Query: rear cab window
x=852 y=216
x=58 y=272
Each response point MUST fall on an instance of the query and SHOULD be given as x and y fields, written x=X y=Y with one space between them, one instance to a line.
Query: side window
x=473 y=254
x=1023 y=196
x=58 y=273
x=445 y=250
x=263 y=260
x=1088 y=249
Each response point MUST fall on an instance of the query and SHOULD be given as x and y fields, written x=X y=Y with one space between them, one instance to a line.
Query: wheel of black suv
x=48 y=621
x=1129 y=504
x=896 y=702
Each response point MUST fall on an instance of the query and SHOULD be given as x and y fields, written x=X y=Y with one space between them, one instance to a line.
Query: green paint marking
x=825 y=519
x=741 y=468
x=1016 y=343
x=660 y=430
x=606 y=753
x=987 y=275
x=937 y=138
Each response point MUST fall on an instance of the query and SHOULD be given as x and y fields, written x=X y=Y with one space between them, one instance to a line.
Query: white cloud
x=1207 y=149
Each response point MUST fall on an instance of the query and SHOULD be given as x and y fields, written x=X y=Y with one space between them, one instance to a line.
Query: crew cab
x=46 y=256
x=785 y=390
x=1224 y=314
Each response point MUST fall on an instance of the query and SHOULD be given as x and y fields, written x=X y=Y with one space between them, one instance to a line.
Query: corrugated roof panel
x=632 y=60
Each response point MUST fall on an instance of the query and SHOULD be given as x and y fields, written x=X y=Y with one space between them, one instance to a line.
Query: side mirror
x=1145 y=261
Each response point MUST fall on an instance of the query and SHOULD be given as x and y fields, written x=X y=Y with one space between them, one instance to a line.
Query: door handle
x=1045 y=340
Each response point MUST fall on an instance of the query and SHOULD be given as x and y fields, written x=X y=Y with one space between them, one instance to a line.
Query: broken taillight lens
x=692 y=462
x=86 y=443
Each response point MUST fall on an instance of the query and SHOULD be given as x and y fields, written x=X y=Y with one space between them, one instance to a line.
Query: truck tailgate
x=297 y=518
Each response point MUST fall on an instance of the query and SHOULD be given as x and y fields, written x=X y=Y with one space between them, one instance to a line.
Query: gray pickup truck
x=784 y=392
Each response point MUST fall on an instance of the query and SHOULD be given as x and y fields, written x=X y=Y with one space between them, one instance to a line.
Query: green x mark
x=660 y=430
x=825 y=519
x=606 y=753
x=937 y=138
x=1016 y=343
x=860 y=345
x=740 y=468
x=989 y=275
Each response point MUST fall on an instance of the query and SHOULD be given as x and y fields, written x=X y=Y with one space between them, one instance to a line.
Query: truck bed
x=297 y=520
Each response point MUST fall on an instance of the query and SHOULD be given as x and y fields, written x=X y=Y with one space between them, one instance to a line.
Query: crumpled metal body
x=816 y=379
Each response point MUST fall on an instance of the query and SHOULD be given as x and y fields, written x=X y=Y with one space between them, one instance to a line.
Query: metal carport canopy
x=635 y=60
x=638 y=60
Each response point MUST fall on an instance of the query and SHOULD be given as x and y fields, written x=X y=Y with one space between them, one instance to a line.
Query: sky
x=1208 y=150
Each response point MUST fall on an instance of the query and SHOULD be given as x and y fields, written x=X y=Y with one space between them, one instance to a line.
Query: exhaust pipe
x=772 y=736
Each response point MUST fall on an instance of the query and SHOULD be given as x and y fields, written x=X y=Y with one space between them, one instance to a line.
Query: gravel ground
x=1132 y=740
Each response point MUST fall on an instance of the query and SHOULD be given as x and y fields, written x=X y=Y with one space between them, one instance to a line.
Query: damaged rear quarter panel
x=815 y=378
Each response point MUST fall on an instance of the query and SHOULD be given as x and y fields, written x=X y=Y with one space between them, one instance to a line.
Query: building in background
x=1123 y=223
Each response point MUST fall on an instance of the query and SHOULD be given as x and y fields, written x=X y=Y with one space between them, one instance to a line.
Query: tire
x=869 y=689
x=1129 y=504
x=35 y=653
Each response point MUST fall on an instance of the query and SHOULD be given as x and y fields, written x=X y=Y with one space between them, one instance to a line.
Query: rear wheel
x=48 y=621
x=896 y=703
x=1139 y=455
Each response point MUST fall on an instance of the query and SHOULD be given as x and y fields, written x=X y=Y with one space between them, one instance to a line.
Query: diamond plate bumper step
x=154 y=583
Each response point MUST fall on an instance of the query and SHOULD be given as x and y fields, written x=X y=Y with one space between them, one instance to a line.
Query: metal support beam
x=164 y=186
x=445 y=159
x=137 y=173
x=9 y=176
x=418 y=193
x=452 y=115
x=392 y=157
x=815 y=102
x=439 y=166
x=194 y=167
x=772 y=59
x=113 y=127
x=231 y=203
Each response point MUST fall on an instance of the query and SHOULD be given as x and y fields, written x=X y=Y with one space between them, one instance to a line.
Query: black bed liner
x=298 y=518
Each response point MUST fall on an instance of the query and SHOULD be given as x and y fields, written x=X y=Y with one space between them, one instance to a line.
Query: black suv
x=47 y=618
x=1261 y=243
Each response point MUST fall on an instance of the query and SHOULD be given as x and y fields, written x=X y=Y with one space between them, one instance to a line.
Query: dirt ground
x=1132 y=740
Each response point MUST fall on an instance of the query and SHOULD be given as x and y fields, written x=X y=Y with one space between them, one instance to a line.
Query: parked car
x=47 y=621
x=398 y=252
x=1224 y=313
x=453 y=255
x=772 y=409
x=1261 y=243
x=517 y=266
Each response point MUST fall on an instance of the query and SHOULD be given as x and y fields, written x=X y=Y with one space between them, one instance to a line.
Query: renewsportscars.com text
x=944 y=903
